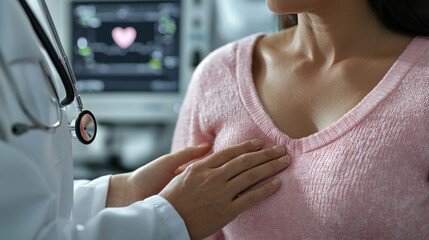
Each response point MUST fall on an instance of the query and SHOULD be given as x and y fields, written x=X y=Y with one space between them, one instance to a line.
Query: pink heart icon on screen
x=124 y=37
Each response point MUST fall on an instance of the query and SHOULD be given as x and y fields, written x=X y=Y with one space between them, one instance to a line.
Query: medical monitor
x=126 y=56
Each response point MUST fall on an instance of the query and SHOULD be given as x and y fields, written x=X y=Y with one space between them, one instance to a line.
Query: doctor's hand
x=215 y=190
x=127 y=188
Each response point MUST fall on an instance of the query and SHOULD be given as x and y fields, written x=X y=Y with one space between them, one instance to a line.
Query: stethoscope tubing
x=19 y=128
x=56 y=60
x=84 y=132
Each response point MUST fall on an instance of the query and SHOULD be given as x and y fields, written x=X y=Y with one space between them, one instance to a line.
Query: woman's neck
x=330 y=34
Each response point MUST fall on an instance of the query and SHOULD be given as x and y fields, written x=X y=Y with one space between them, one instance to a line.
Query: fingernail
x=256 y=142
x=279 y=149
x=285 y=160
x=203 y=145
x=276 y=181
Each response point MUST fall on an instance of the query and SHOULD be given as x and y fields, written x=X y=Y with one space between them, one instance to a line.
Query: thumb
x=174 y=160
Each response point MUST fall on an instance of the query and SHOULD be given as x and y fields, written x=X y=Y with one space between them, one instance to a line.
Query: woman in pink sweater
x=345 y=90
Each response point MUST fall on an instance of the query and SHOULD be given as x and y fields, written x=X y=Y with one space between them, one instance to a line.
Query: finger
x=252 y=197
x=254 y=175
x=173 y=161
x=250 y=160
x=220 y=158
x=182 y=168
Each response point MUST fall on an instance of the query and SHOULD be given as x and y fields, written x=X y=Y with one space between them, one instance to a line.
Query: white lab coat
x=36 y=169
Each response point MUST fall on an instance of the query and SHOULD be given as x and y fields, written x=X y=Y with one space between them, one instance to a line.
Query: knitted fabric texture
x=366 y=176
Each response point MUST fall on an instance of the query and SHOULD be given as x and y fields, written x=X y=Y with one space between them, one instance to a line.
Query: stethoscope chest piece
x=84 y=127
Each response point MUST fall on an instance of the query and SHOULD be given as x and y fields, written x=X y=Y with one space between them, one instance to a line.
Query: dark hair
x=406 y=17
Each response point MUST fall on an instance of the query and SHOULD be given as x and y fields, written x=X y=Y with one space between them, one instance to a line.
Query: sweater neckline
x=352 y=118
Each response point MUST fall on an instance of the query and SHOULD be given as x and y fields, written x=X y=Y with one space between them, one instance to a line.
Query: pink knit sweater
x=366 y=176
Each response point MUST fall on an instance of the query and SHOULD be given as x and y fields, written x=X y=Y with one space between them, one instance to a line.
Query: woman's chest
x=369 y=181
x=304 y=98
x=302 y=108
x=360 y=186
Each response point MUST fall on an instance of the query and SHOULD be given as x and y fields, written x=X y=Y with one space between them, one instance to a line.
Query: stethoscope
x=84 y=126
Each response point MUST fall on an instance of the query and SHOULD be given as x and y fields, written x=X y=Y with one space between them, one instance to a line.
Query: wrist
x=117 y=195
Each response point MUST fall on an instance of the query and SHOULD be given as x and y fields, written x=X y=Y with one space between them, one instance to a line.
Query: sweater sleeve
x=194 y=125
x=189 y=127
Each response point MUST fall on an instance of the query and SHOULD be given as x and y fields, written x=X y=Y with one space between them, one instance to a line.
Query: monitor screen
x=126 y=46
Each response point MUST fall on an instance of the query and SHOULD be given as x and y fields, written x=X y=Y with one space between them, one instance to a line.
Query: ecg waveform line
x=129 y=69
x=115 y=50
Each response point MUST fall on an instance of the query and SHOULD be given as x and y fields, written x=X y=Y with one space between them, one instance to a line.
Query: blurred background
x=133 y=61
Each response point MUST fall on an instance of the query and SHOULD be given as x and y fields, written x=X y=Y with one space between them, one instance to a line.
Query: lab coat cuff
x=100 y=187
x=170 y=217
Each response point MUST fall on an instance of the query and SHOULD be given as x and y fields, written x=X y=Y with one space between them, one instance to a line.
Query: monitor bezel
x=135 y=107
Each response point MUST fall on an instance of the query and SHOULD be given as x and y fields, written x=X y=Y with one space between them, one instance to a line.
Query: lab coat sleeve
x=89 y=198
x=155 y=212
x=28 y=209
x=153 y=218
